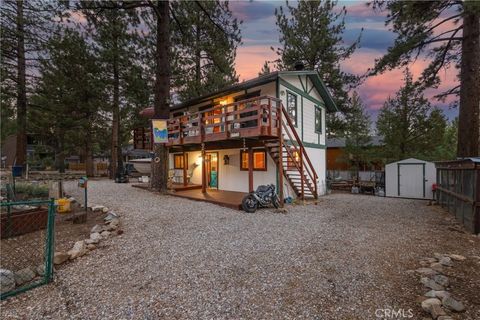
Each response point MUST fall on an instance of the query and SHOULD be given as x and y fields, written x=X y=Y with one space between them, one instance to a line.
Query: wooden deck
x=229 y=199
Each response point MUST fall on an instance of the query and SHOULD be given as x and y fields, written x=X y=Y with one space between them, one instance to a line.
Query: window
x=318 y=120
x=259 y=160
x=292 y=107
x=178 y=161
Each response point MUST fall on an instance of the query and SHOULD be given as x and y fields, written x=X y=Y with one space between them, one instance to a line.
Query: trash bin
x=17 y=171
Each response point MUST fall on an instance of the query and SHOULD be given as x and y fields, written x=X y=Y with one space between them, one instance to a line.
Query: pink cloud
x=250 y=60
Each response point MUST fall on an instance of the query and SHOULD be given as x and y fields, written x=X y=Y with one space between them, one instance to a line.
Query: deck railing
x=246 y=118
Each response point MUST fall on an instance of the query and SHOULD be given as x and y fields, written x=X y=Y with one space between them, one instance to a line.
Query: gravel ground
x=181 y=259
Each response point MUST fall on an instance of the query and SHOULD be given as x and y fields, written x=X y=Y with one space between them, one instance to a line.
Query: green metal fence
x=27 y=245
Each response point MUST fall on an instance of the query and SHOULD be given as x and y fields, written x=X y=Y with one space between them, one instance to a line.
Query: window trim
x=264 y=151
x=296 y=107
x=319 y=109
x=175 y=163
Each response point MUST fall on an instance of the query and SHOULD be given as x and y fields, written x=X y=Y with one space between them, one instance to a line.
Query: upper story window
x=292 y=107
x=318 y=120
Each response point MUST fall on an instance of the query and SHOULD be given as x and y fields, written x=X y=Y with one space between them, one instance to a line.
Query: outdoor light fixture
x=282 y=93
x=226 y=159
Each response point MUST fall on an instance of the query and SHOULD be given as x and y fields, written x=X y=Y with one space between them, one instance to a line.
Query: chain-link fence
x=27 y=245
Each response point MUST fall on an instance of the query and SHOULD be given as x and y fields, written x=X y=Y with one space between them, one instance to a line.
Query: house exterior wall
x=308 y=99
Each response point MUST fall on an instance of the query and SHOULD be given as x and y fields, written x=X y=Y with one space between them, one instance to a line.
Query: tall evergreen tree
x=116 y=49
x=357 y=133
x=25 y=26
x=409 y=124
x=448 y=32
x=69 y=96
x=265 y=69
x=311 y=33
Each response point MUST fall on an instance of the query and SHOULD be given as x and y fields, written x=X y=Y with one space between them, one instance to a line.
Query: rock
x=40 y=269
x=105 y=234
x=7 y=280
x=24 y=275
x=427 y=272
x=60 y=257
x=431 y=260
x=428 y=303
x=430 y=294
x=429 y=283
x=114 y=222
x=438 y=256
x=436 y=311
x=444 y=318
x=105 y=210
x=457 y=257
x=453 y=304
x=91 y=246
x=97 y=208
x=437 y=267
x=96 y=229
x=441 y=280
x=95 y=238
x=112 y=225
x=446 y=261
x=111 y=215
x=78 y=250
x=437 y=294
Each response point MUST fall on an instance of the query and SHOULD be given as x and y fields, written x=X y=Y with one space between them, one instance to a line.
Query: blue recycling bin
x=17 y=171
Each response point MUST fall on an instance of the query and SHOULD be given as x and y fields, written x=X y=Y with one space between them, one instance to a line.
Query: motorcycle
x=262 y=197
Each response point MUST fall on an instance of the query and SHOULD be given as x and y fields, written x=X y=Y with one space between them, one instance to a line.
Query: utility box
x=410 y=178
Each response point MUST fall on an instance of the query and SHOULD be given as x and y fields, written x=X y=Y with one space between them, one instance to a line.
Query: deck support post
x=204 y=172
x=185 y=182
x=280 y=155
x=250 y=169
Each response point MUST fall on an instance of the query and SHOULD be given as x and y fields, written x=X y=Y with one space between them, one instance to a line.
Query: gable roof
x=273 y=76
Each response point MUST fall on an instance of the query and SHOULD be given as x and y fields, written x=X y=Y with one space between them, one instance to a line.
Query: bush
x=32 y=190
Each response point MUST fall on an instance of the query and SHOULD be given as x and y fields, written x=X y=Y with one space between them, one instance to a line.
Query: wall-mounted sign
x=160 y=131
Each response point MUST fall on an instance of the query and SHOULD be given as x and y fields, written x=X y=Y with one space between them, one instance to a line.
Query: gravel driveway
x=180 y=259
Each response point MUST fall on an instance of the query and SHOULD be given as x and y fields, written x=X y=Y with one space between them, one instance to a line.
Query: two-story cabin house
x=270 y=129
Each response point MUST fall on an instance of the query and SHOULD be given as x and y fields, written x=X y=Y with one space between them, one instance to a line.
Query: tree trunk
x=116 y=153
x=89 y=168
x=162 y=92
x=469 y=113
x=21 y=150
x=198 y=52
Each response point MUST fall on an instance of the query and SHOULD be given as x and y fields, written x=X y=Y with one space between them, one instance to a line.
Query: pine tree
x=66 y=107
x=205 y=38
x=116 y=50
x=265 y=69
x=448 y=32
x=357 y=133
x=311 y=33
x=25 y=26
x=409 y=124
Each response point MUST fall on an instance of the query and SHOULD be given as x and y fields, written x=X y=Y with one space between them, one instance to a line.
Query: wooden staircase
x=292 y=159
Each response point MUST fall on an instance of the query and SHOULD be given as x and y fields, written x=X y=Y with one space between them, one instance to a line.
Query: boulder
x=428 y=303
x=24 y=275
x=441 y=280
x=452 y=304
x=436 y=311
x=429 y=272
x=429 y=283
x=78 y=250
x=7 y=280
x=430 y=294
x=95 y=238
x=96 y=229
x=105 y=234
x=60 y=257
x=437 y=267
x=446 y=261
x=457 y=257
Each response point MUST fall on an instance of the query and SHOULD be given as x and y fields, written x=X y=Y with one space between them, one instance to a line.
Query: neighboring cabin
x=230 y=139
x=337 y=158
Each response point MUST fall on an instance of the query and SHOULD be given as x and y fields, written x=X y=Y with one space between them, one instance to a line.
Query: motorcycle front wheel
x=249 y=204
x=275 y=201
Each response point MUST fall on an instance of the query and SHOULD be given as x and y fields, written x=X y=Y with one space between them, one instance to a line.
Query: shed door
x=411 y=180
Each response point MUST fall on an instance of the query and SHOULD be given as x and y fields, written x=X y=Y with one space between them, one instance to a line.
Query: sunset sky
x=260 y=33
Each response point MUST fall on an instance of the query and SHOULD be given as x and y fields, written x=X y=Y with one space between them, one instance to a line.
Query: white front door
x=411 y=180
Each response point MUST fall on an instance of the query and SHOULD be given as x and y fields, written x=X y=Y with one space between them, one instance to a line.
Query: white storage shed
x=410 y=178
